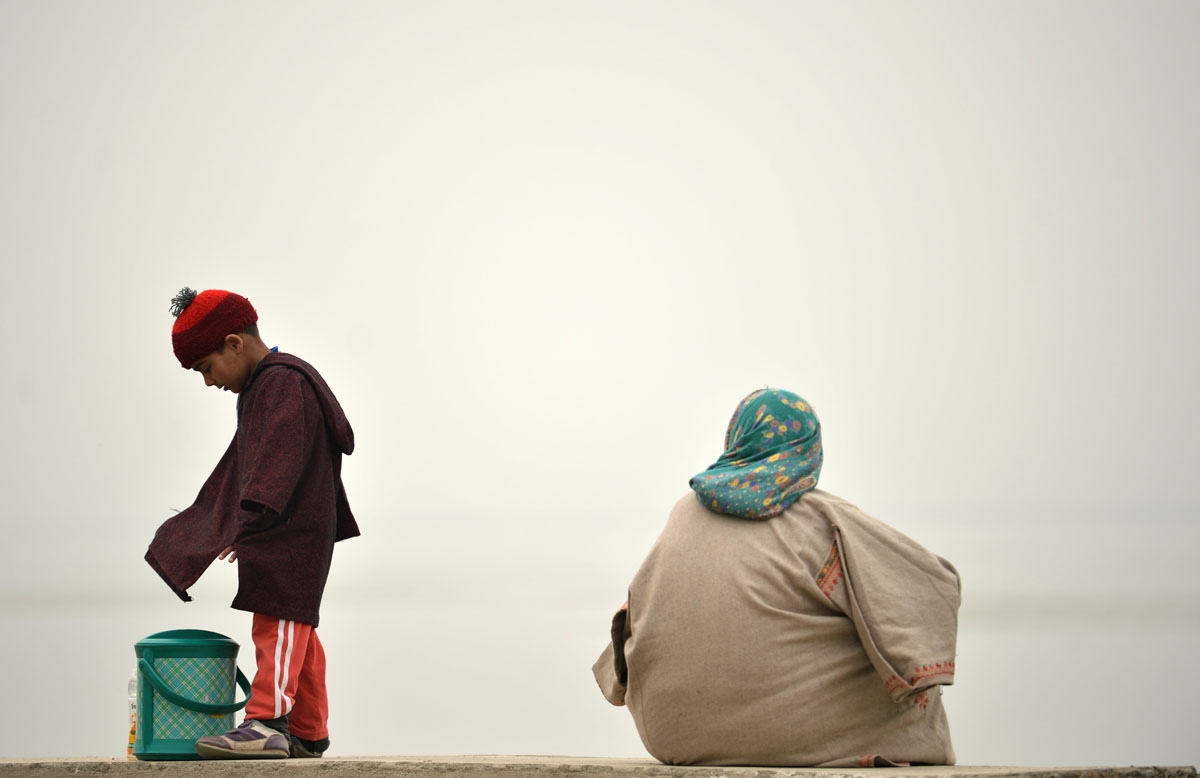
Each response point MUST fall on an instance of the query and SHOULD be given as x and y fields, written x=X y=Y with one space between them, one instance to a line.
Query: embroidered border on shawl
x=921 y=673
x=931 y=671
x=831 y=572
x=896 y=682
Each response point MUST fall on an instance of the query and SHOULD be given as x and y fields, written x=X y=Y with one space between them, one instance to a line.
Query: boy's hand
x=228 y=552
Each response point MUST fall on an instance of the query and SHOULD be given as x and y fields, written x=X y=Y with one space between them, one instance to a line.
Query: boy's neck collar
x=258 y=364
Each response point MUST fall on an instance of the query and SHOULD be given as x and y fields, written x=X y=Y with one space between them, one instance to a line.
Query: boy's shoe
x=308 y=749
x=251 y=740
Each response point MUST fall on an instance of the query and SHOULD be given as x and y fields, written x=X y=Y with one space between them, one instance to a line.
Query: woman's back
x=776 y=624
x=741 y=647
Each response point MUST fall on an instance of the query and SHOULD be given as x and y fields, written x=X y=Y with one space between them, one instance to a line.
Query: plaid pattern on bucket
x=203 y=679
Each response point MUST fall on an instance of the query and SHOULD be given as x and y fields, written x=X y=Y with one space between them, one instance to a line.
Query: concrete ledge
x=533 y=767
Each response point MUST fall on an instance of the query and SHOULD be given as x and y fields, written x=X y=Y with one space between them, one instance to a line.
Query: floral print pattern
x=772 y=456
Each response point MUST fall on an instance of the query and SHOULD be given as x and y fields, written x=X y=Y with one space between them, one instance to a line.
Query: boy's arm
x=278 y=432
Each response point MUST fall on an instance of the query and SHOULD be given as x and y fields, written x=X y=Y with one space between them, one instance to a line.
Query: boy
x=275 y=503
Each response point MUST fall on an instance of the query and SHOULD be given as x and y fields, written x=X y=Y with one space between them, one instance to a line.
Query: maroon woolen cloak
x=276 y=496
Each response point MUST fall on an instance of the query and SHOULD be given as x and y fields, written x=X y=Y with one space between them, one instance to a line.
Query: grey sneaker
x=251 y=740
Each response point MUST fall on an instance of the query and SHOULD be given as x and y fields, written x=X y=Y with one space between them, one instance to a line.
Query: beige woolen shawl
x=820 y=637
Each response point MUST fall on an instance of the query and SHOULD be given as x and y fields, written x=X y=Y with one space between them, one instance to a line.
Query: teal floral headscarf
x=772 y=456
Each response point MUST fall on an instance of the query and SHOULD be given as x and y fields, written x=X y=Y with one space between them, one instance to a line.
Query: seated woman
x=773 y=623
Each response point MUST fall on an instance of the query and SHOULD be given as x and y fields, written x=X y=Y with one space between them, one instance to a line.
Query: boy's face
x=228 y=368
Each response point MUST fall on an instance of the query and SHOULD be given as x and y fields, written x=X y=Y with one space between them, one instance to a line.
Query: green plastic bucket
x=185 y=691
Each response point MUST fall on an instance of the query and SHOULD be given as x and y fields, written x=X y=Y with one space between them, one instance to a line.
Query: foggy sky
x=540 y=250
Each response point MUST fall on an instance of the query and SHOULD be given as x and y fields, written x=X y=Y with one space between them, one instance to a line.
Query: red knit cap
x=203 y=320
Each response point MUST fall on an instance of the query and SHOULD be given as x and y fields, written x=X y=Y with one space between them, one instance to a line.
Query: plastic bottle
x=133 y=688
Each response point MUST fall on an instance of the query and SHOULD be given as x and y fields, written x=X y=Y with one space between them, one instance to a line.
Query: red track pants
x=290 y=680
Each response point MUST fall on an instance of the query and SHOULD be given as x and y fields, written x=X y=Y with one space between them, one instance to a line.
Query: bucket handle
x=211 y=708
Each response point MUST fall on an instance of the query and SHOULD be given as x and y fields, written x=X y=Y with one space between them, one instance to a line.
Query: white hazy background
x=540 y=250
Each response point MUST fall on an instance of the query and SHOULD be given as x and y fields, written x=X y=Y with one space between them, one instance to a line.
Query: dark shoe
x=308 y=749
x=251 y=740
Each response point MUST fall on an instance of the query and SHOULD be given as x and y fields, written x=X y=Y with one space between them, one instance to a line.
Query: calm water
x=1069 y=653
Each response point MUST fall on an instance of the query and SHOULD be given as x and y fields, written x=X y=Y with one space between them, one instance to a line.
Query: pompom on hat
x=203 y=319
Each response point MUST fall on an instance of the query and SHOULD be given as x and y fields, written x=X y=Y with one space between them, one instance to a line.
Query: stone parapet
x=530 y=767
